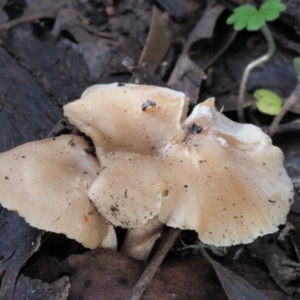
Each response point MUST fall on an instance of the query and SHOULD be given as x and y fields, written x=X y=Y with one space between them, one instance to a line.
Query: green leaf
x=268 y=102
x=247 y=16
x=271 y=9
x=256 y=22
x=241 y=16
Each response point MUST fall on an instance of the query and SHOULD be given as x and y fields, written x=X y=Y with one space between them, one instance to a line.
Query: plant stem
x=292 y=99
x=265 y=30
x=154 y=264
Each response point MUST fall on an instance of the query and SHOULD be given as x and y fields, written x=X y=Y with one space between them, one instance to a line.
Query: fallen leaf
x=236 y=287
x=158 y=40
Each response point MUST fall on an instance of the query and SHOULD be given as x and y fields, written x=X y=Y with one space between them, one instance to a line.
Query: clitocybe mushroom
x=207 y=173
x=118 y=118
x=46 y=183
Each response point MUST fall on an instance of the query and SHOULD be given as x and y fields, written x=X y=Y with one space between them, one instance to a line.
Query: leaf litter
x=97 y=53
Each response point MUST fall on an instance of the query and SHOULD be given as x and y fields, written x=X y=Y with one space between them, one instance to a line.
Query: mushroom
x=207 y=173
x=46 y=183
x=119 y=118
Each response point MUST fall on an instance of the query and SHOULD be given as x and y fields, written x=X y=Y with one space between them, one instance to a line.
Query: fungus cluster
x=205 y=172
x=156 y=166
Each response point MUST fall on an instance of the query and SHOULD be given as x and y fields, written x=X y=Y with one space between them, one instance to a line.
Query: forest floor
x=51 y=51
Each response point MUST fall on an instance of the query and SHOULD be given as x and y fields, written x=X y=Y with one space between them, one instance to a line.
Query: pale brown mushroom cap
x=112 y=116
x=223 y=179
x=46 y=182
x=129 y=190
x=239 y=186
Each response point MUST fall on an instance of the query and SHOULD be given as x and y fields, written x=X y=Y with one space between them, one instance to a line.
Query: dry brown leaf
x=158 y=40
x=236 y=287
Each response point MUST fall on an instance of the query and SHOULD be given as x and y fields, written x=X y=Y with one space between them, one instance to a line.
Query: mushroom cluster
x=153 y=166
x=205 y=172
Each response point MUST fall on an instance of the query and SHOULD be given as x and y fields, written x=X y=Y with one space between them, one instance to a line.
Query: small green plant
x=249 y=17
x=268 y=102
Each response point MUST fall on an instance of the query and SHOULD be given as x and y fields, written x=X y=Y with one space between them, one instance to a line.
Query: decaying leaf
x=158 y=40
x=236 y=288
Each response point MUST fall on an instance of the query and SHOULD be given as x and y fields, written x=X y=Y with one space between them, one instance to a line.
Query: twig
x=154 y=264
x=265 y=30
x=288 y=127
x=26 y=19
x=290 y=102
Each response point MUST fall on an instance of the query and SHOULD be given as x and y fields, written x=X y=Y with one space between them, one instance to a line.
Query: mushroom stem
x=154 y=264
x=139 y=242
x=110 y=241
